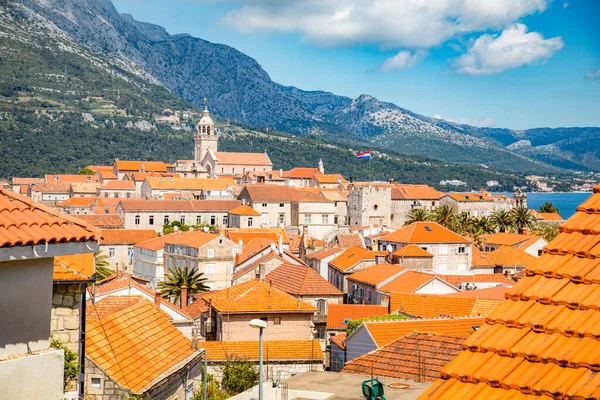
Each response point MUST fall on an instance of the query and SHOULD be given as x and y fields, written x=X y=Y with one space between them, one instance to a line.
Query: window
x=335 y=219
x=264 y=204
x=276 y=320
x=177 y=262
x=461 y=250
x=443 y=250
x=96 y=383
x=198 y=220
x=130 y=253
x=281 y=204
x=225 y=220
x=151 y=220
x=369 y=296
x=213 y=220
x=264 y=219
x=111 y=253
x=166 y=220
x=307 y=219
x=170 y=263
x=184 y=263
x=210 y=253
x=210 y=269
x=137 y=219
x=321 y=305
x=182 y=219
x=220 y=241
x=128 y=195
x=375 y=207
x=325 y=219
x=249 y=222
x=281 y=219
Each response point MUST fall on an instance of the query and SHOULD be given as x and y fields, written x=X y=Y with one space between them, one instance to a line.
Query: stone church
x=209 y=162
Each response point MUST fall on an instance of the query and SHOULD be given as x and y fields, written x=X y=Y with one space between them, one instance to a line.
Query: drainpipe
x=82 y=311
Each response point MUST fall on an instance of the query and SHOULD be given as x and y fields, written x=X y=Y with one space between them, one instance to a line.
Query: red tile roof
x=300 y=280
x=126 y=236
x=542 y=340
x=457 y=280
x=254 y=246
x=280 y=350
x=108 y=305
x=136 y=345
x=492 y=293
x=76 y=267
x=322 y=254
x=414 y=192
x=507 y=256
x=225 y=158
x=349 y=240
x=351 y=257
x=51 y=187
x=301 y=173
x=376 y=274
x=330 y=178
x=173 y=205
x=338 y=340
x=337 y=313
x=416 y=356
x=408 y=282
x=136 y=166
x=24 y=222
x=549 y=216
x=80 y=201
x=469 y=197
x=70 y=178
x=424 y=232
x=244 y=210
x=255 y=296
x=411 y=250
x=247 y=234
x=434 y=306
x=194 y=239
x=479 y=259
x=156 y=243
x=106 y=221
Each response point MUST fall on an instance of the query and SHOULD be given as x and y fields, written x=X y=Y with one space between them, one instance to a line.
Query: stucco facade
x=318 y=218
x=339 y=279
x=280 y=326
x=149 y=264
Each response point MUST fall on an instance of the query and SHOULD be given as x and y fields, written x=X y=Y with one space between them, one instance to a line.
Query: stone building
x=210 y=253
x=148 y=259
x=157 y=362
x=351 y=260
x=188 y=188
x=406 y=198
x=480 y=204
x=369 y=205
x=243 y=217
x=413 y=257
x=363 y=285
x=118 y=245
x=49 y=193
x=319 y=260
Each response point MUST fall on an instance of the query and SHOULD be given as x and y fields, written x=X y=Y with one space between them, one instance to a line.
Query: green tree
x=213 y=390
x=483 y=225
x=502 y=219
x=444 y=216
x=239 y=374
x=102 y=270
x=177 y=277
x=416 y=215
x=547 y=207
x=547 y=231
x=175 y=226
x=86 y=171
x=71 y=364
x=462 y=224
x=522 y=219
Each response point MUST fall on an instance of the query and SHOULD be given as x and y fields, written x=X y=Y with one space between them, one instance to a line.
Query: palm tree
x=484 y=225
x=102 y=269
x=177 y=277
x=416 y=215
x=502 y=219
x=444 y=216
x=522 y=219
x=462 y=224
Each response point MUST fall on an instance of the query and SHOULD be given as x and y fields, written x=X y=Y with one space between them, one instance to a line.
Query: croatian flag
x=364 y=154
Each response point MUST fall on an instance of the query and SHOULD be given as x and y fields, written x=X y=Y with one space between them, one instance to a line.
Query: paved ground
x=348 y=386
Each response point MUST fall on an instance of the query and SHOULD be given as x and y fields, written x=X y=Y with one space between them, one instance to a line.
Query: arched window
x=375 y=207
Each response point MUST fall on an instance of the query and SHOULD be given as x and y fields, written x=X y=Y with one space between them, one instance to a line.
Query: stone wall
x=64 y=325
x=290 y=326
x=108 y=390
x=369 y=206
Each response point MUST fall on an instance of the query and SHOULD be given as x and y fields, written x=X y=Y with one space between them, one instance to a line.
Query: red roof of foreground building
x=75 y=267
x=300 y=280
x=543 y=339
x=25 y=222
x=338 y=313
x=416 y=356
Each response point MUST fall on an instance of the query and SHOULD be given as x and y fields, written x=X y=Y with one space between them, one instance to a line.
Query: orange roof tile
x=479 y=259
x=136 y=345
x=412 y=250
x=468 y=197
x=350 y=257
x=255 y=296
x=81 y=202
x=126 y=236
x=26 y=181
x=136 y=166
x=377 y=274
x=172 y=183
x=108 y=175
x=330 y=178
x=109 y=209
x=194 y=239
x=322 y=254
x=108 y=305
x=70 y=178
x=272 y=350
x=492 y=293
x=116 y=282
x=338 y=313
x=252 y=247
x=510 y=257
x=106 y=221
x=424 y=232
x=76 y=267
x=549 y=216
x=100 y=168
x=172 y=205
x=51 y=187
x=84 y=188
x=244 y=210
x=225 y=158
x=197 y=307
x=384 y=332
x=301 y=173
x=24 y=222
x=271 y=193
x=457 y=280
x=156 y=244
x=408 y=282
x=543 y=339
x=349 y=240
x=300 y=280
x=118 y=185
x=414 y=192
x=338 y=340
x=434 y=306
x=416 y=356
x=247 y=234
x=509 y=239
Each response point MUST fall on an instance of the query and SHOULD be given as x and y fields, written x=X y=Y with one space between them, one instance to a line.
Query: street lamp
x=260 y=325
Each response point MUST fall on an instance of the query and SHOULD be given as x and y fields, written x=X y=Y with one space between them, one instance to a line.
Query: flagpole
x=369 y=165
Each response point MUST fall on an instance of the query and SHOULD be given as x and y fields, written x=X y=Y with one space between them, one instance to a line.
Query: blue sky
x=504 y=63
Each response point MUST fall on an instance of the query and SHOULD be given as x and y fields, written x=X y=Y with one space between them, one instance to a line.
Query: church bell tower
x=205 y=138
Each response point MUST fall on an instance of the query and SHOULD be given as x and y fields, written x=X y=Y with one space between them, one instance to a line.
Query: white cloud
x=593 y=74
x=565 y=4
x=392 y=24
x=403 y=60
x=513 y=48
x=481 y=123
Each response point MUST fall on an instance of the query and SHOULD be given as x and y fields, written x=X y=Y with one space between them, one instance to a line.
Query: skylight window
x=427 y=228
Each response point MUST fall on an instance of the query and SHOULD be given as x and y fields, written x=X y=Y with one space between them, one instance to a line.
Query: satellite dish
x=389 y=248
x=175 y=228
x=273 y=247
x=241 y=242
x=205 y=229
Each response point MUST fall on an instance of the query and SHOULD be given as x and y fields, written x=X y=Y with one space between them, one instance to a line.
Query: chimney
x=280 y=244
x=262 y=267
x=184 y=297
x=157 y=299
x=391 y=180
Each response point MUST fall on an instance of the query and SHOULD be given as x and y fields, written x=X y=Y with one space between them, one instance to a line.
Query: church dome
x=206 y=120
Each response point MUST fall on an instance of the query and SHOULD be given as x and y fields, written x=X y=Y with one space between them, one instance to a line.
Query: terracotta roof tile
x=377 y=274
x=384 y=332
x=507 y=256
x=118 y=185
x=51 y=187
x=247 y=234
x=330 y=178
x=351 y=257
x=252 y=247
x=168 y=205
x=322 y=254
x=225 y=158
x=424 y=232
x=338 y=340
x=470 y=197
x=76 y=267
x=479 y=259
x=126 y=236
x=300 y=280
x=337 y=313
x=272 y=350
x=492 y=293
x=411 y=250
x=109 y=305
x=543 y=339
x=98 y=210
x=105 y=221
x=508 y=239
x=244 y=210
x=416 y=356
x=194 y=239
x=197 y=307
x=271 y=193
x=550 y=216
x=301 y=173
x=24 y=222
x=136 y=166
x=139 y=347
x=408 y=282
x=434 y=306
x=414 y=192
x=256 y=296
x=171 y=183
x=349 y=240
x=85 y=188
x=80 y=202
x=457 y=280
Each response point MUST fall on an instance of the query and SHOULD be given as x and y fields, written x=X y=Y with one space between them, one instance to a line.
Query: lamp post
x=260 y=325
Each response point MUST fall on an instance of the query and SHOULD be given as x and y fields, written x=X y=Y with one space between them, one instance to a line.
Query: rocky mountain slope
x=238 y=88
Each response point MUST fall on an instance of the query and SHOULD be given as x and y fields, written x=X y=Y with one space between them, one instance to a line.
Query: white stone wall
x=121 y=258
x=66 y=305
x=401 y=209
x=369 y=205
x=190 y=218
x=315 y=223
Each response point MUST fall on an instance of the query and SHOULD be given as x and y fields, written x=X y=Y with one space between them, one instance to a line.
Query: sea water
x=566 y=203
